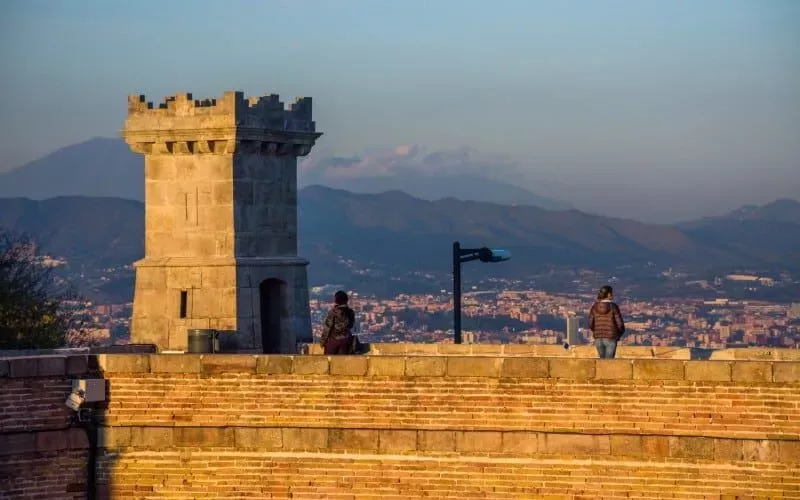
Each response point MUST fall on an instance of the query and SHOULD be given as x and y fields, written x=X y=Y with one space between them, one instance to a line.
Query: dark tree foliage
x=34 y=309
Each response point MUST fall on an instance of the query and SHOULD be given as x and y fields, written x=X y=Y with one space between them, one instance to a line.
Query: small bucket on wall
x=202 y=341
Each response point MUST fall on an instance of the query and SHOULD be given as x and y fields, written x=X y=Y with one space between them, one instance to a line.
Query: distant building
x=794 y=311
x=741 y=277
x=573 y=333
x=469 y=338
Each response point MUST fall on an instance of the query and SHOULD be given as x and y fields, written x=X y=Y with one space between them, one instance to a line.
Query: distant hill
x=106 y=167
x=783 y=210
x=394 y=231
x=754 y=234
x=436 y=186
x=95 y=232
x=98 y=167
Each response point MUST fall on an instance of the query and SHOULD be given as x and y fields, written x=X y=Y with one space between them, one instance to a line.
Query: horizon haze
x=659 y=111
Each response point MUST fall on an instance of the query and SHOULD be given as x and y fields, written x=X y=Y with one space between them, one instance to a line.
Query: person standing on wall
x=337 y=330
x=605 y=322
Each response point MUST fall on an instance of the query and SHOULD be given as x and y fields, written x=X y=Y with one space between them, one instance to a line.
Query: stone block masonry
x=221 y=220
x=399 y=426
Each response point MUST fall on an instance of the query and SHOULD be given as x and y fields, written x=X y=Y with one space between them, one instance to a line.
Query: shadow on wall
x=49 y=426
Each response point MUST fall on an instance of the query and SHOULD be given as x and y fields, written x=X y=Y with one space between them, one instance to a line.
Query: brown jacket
x=605 y=320
x=338 y=323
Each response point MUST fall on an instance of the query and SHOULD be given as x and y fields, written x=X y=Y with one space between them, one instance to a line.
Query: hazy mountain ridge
x=395 y=231
x=102 y=167
x=785 y=210
x=107 y=167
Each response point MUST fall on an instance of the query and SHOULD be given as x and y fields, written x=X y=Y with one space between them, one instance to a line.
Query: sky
x=660 y=110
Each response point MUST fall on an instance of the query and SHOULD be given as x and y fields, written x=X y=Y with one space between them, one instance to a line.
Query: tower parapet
x=221 y=219
x=186 y=125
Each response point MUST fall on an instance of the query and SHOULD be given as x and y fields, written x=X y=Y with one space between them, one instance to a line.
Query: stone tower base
x=261 y=302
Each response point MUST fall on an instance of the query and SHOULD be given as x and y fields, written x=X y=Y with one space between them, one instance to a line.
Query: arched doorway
x=271 y=299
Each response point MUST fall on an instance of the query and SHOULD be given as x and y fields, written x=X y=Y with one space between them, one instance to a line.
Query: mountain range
x=396 y=232
x=106 y=167
x=82 y=203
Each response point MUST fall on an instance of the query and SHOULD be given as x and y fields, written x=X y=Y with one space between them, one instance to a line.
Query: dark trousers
x=340 y=345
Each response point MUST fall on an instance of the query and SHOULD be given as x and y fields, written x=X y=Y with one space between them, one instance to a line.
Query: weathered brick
x=258 y=437
x=51 y=366
x=574 y=369
x=727 y=449
x=658 y=369
x=520 y=443
x=789 y=451
x=655 y=446
x=691 y=447
x=311 y=365
x=425 y=366
x=479 y=441
x=613 y=369
x=353 y=439
x=396 y=441
x=17 y=443
x=761 y=450
x=77 y=364
x=525 y=367
x=212 y=364
x=570 y=444
x=551 y=351
x=23 y=367
x=114 y=437
x=52 y=440
x=526 y=350
x=786 y=371
x=398 y=349
x=78 y=440
x=123 y=363
x=492 y=350
x=473 y=366
x=204 y=437
x=454 y=349
x=354 y=366
x=152 y=437
x=422 y=349
x=387 y=366
x=626 y=445
x=436 y=441
x=712 y=371
x=274 y=365
x=175 y=363
x=751 y=371
x=304 y=439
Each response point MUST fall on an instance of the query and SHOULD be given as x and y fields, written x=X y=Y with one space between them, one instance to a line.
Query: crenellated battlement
x=267 y=112
x=232 y=123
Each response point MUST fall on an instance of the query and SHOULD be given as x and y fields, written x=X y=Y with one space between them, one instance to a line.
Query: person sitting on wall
x=605 y=322
x=337 y=331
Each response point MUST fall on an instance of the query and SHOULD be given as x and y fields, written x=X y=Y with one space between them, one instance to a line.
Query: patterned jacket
x=605 y=320
x=338 y=323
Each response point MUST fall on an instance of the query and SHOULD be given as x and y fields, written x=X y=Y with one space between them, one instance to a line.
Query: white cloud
x=405 y=158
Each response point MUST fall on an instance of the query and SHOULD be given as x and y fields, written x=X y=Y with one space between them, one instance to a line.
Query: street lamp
x=460 y=255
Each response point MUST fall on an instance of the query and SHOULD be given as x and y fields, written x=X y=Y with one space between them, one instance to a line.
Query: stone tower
x=221 y=220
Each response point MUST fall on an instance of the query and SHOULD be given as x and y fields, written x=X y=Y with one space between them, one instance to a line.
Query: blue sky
x=680 y=105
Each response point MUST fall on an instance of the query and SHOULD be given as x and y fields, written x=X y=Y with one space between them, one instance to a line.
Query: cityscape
x=498 y=310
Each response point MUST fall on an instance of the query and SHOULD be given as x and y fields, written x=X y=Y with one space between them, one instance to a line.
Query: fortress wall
x=449 y=427
x=453 y=426
x=577 y=351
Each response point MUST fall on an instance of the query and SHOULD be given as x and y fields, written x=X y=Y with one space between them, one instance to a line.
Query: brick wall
x=246 y=426
x=42 y=454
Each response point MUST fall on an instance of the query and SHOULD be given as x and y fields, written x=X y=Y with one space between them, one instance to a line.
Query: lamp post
x=461 y=255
